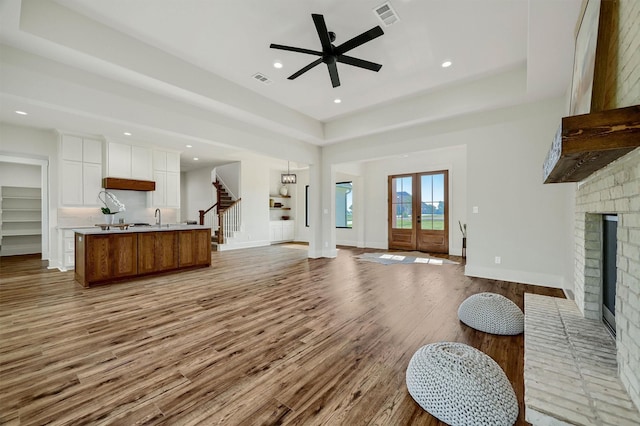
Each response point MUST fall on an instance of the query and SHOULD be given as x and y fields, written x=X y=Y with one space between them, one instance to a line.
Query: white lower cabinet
x=67 y=252
x=281 y=230
x=288 y=230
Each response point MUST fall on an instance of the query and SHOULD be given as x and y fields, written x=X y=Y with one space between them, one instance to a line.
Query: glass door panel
x=402 y=202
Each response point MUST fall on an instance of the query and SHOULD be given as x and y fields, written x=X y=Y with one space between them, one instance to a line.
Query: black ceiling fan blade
x=350 y=60
x=333 y=73
x=323 y=33
x=295 y=49
x=305 y=69
x=366 y=36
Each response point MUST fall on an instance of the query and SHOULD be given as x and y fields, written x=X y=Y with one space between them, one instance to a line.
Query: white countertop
x=137 y=229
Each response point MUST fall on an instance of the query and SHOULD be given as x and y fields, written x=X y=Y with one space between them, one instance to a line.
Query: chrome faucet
x=158 y=216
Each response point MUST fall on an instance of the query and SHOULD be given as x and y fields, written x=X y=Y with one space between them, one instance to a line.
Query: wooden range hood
x=586 y=143
x=128 y=184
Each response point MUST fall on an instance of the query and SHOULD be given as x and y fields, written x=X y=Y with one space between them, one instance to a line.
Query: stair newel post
x=201 y=212
x=220 y=228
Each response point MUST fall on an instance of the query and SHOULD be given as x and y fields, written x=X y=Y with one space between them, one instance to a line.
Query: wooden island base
x=107 y=257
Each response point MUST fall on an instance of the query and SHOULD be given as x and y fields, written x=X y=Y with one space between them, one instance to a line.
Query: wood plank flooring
x=263 y=336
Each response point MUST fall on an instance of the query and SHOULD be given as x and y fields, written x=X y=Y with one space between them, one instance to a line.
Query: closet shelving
x=20 y=220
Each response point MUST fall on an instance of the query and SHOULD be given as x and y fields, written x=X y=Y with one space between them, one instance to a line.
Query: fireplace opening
x=609 y=271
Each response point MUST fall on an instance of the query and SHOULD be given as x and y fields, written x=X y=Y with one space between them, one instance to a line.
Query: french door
x=419 y=211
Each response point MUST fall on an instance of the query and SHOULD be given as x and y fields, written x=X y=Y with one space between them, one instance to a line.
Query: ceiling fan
x=331 y=54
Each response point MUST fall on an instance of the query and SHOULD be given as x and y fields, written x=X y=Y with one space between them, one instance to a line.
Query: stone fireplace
x=575 y=372
x=612 y=190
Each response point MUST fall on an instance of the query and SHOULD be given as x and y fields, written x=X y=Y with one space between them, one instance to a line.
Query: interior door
x=419 y=212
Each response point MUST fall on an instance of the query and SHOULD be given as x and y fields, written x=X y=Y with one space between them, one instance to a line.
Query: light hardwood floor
x=263 y=336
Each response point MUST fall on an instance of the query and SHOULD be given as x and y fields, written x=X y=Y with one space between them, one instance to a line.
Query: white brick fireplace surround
x=574 y=329
x=614 y=189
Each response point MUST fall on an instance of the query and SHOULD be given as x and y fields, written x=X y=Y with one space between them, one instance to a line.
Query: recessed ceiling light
x=337 y=101
x=21 y=113
x=189 y=146
x=277 y=64
x=127 y=134
x=446 y=64
x=195 y=158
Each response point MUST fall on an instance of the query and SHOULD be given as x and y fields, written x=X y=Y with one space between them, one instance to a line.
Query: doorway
x=609 y=271
x=25 y=222
x=418 y=211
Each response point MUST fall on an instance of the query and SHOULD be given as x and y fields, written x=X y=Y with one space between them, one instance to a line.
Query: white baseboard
x=243 y=245
x=524 y=277
x=377 y=245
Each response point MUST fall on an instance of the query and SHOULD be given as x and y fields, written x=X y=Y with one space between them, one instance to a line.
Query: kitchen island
x=104 y=256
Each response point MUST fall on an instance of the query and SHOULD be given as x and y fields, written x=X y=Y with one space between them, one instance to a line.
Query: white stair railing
x=230 y=221
x=210 y=219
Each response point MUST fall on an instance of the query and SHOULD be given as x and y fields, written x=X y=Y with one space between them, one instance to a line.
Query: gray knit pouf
x=492 y=313
x=460 y=385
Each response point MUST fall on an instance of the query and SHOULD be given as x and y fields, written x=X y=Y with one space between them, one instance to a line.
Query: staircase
x=224 y=199
x=225 y=216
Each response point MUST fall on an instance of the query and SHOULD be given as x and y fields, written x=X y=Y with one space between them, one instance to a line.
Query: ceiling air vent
x=262 y=78
x=386 y=14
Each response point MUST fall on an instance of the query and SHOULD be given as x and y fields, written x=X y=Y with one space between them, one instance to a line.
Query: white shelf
x=23 y=197
x=20 y=232
x=20 y=221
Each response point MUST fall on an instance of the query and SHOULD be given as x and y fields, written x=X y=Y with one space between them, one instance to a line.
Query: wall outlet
x=498 y=260
x=475 y=209
x=326 y=244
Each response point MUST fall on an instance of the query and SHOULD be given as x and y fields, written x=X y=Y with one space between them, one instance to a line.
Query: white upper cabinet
x=92 y=151
x=141 y=163
x=173 y=162
x=159 y=160
x=80 y=170
x=129 y=161
x=173 y=189
x=166 y=173
x=72 y=185
x=119 y=160
x=71 y=148
x=159 y=196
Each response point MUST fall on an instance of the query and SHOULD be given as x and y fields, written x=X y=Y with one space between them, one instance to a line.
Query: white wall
x=528 y=224
x=231 y=176
x=23 y=175
x=524 y=222
x=453 y=159
x=254 y=191
x=197 y=193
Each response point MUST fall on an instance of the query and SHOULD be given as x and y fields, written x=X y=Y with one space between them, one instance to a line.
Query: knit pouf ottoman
x=492 y=313
x=460 y=385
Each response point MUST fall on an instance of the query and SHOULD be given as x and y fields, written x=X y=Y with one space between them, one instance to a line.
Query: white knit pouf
x=460 y=385
x=492 y=313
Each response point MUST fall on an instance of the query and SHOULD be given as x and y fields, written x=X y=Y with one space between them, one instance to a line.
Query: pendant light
x=288 y=177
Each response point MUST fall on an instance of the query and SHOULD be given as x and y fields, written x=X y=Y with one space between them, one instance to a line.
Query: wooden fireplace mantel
x=586 y=143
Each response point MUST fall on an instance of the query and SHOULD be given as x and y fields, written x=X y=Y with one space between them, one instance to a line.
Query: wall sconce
x=288 y=177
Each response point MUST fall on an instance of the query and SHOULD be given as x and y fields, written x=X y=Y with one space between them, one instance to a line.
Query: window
x=344 y=205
